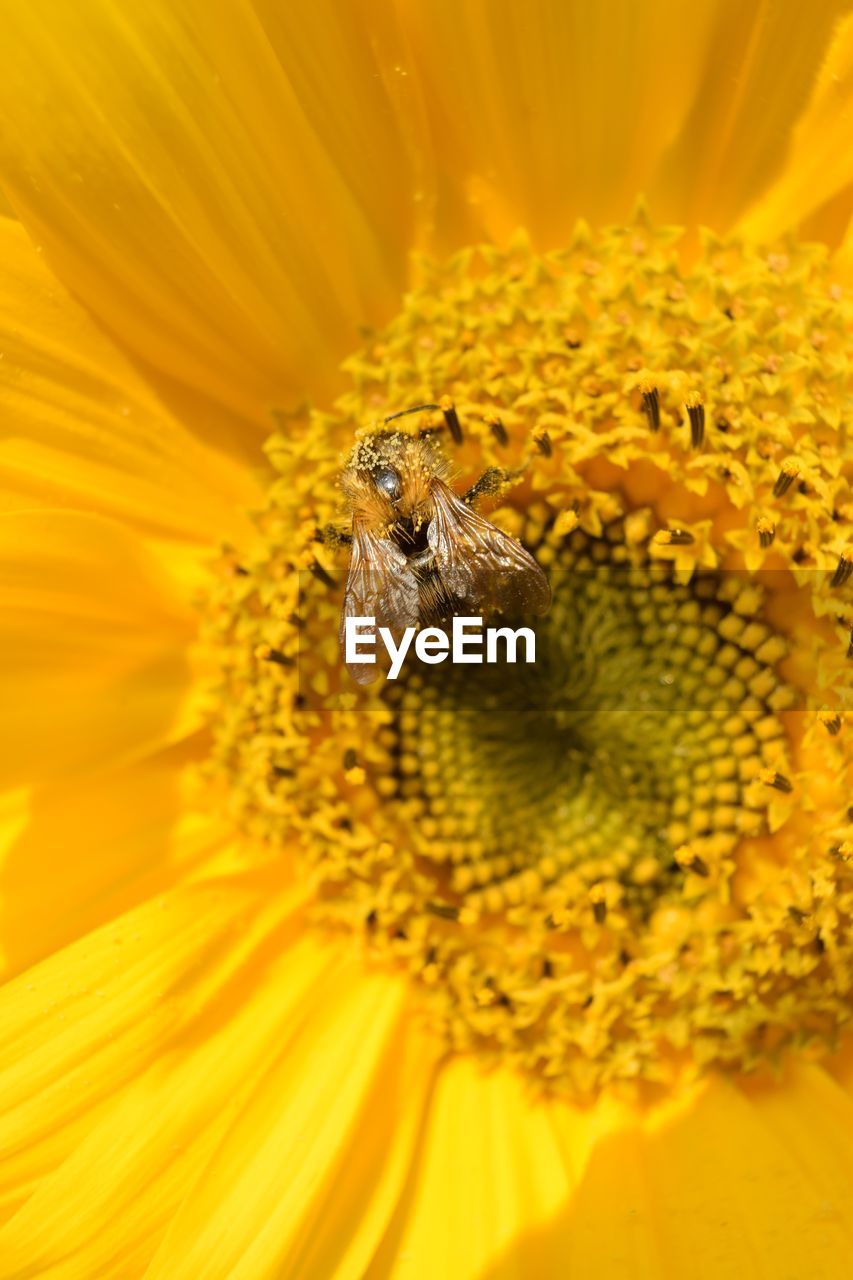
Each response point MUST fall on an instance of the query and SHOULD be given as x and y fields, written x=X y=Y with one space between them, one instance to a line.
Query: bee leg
x=330 y=536
x=491 y=481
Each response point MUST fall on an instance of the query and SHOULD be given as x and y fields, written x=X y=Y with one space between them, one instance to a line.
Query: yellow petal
x=306 y=1172
x=80 y=851
x=752 y=1181
x=231 y=202
x=124 y=1052
x=93 y=664
x=760 y=63
x=81 y=428
x=491 y=1170
x=819 y=164
x=543 y=113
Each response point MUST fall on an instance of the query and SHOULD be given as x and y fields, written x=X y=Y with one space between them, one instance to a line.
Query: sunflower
x=461 y=974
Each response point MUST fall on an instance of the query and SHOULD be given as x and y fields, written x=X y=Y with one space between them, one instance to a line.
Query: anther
x=451 y=418
x=831 y=721
x=651 y=405
x=443 y=910
x=572 y=338
x=766 y=531
x=350 y=758
x=265 y=653
x=543 y=442
x=778 y=781
x=673 y=538
x=787 y=476
x=843 y=569
x=696 y=413
x=321 y=574
x=850 y=645
x=497 y=428
x=598 y=898
x=689 y=860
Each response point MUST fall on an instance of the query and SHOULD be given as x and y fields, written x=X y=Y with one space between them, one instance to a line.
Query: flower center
x=630 y=857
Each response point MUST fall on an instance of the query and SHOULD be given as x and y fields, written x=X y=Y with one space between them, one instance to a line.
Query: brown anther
x=497 y=428
x=321 y=574
x=843 y=569
x=451 y=418
x=350 y=758
x=543 y=443
x=673 y=538
x=689 y=860
x=265 y=653
x=602 y=895
x=778 y=781
x=831 y=721
x=444 y=910
x=787 y=476
x=572 y=338
x=766 y=531
x=696 y=413
x=651 y=405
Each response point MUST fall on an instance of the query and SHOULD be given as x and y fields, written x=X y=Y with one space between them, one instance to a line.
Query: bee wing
x=380 y=585
x=478 y=563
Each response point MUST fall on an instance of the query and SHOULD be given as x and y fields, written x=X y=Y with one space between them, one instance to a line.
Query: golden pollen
x=632 y=857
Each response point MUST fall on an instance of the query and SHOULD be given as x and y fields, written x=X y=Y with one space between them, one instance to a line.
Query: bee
x=421 y=554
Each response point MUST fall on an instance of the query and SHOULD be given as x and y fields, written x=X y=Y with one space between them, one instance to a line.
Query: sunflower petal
x=545 y=113
x=83 y=850
x=298 y=1178
x=92 y=661
x=192 y=178
x=491 y=1167
x=80 y=427
x=123 y=1056
x=731 y=1180
x=818 y=168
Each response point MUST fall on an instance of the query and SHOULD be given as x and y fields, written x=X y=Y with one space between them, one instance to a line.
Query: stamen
x=787 y=476
x=651 y=404
x=673 y=538
x=843 y=569
x=451 y=418
x=772 y=778
x=689 y=860
x=696 y=413
x=831 y=721
x=265 y=653
x=497 y=428
x=321 y=574
x=766 y=531
x=543 y=442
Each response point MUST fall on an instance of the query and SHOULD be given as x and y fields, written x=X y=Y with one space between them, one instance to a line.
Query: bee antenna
x=416 y=408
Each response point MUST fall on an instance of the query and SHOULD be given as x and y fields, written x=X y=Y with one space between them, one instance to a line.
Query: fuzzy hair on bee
x=421 y=554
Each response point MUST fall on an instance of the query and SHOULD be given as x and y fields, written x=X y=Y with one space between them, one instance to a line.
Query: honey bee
x=420 y=553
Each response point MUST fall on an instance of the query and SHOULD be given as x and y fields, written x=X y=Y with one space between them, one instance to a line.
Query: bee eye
x=388 y=480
